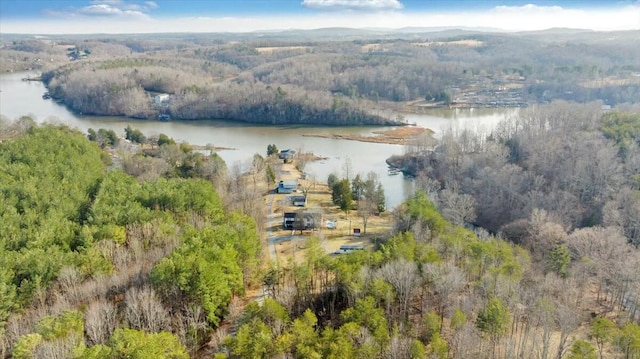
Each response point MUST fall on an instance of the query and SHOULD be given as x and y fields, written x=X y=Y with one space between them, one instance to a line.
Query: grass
x=319 y=200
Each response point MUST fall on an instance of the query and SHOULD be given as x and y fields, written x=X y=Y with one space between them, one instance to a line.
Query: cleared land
x=289 y=246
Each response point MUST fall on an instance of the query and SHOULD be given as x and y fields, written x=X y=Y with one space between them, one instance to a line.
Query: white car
x=332 y=224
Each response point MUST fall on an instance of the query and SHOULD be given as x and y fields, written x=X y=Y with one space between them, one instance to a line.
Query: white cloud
x=100 y=10
x=108 y=9
x=535 y=17
x=528 y=7
x=353 y=4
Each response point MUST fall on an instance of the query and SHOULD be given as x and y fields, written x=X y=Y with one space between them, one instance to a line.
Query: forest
x=98 y=264
x=301 y=78
x=505 y=251
x=520 y=242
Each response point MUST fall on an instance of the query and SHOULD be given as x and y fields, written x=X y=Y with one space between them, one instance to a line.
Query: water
x=19 y=98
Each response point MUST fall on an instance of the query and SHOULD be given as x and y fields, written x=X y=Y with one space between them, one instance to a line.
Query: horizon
x=76 y=17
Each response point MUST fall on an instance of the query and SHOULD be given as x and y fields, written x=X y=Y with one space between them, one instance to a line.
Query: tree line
x=340 y=82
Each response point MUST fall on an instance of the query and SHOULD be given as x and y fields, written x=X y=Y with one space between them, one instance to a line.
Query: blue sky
x=130 y=16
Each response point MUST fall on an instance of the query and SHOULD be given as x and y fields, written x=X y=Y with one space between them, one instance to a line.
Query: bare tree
x=445 y=280
x=567 y=320
x=366 y=208
x=457 y=208
x=347 y=168
x=145 y=311
x=100 y=321
x=61 y=348
x=403 y=276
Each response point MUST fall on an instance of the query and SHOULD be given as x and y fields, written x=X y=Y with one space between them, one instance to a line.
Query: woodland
x=291 y=77
x=151 y=252
x=522 y=242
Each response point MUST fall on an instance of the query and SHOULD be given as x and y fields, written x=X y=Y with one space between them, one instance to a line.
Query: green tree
x=92 y=135
x=8 y=295
x=493 y=320
x=582 y=349
x=135 y=344
x=458 y=320
x=253 y=340
x=357 y=187
x=628 y=340
x=417 y=350
x=134 y=135
x=419 y=207
x=438 y=347
x=99 y=351
x=272 y=149
x=602 y=331
x=165 y=140
x=61 y=326
x=431 y=325
x=107 y=138
x=341 y=343
x=26 y=346
x=305 y=338
x=621 y=127
x=331 y=180
x=558 y=260
x=341 y=195
x=366 y=314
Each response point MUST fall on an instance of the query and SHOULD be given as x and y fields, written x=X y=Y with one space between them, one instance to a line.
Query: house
x=299 y=201
x=159 y=99
x=287 y=155
x=288 y=186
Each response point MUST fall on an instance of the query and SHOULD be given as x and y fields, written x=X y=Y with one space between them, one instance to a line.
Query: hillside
x=328 y=76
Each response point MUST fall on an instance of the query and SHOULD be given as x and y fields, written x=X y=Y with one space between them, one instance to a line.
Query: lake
x=19 y=98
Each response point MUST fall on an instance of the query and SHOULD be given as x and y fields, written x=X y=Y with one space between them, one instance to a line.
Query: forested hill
x=123 y=88
x=97 y=263
x=302 y=80
x=86 y=252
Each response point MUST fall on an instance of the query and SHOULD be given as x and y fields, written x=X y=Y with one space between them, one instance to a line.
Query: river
x=19 y=98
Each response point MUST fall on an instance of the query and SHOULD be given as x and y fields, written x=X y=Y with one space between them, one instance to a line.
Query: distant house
x=287 y=155
x=289 y=186
x=299 y=201
x=159 y=99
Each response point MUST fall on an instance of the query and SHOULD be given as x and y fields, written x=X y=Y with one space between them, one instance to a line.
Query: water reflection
x=18 y=98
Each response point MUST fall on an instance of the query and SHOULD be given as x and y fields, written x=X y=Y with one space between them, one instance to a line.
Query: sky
x=143 y=16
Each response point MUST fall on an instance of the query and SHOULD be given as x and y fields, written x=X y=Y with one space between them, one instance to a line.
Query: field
x=288 y=246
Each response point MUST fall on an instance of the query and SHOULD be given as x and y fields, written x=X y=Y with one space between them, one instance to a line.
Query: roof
x=288 y=183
